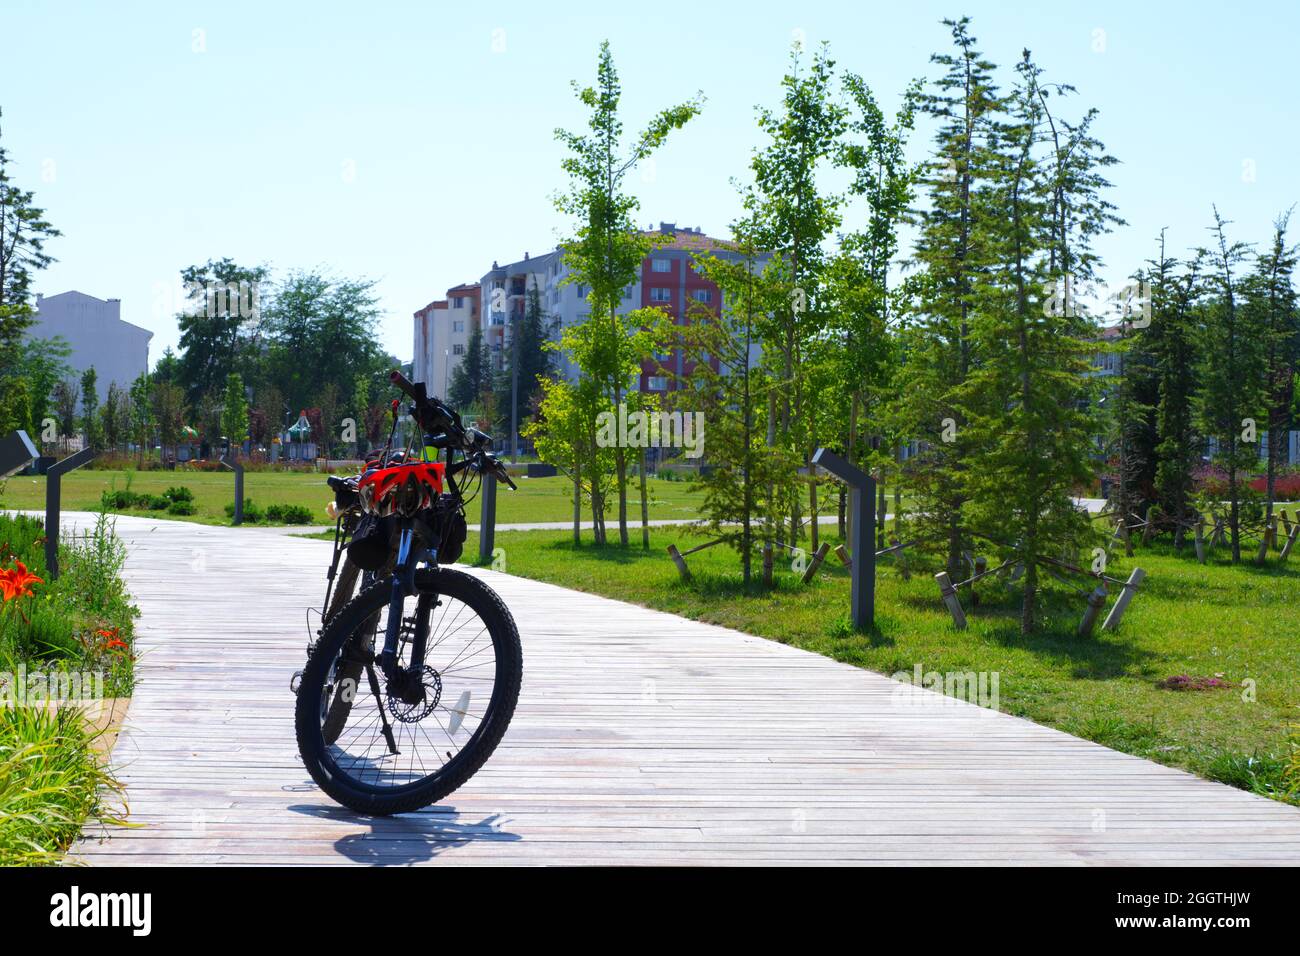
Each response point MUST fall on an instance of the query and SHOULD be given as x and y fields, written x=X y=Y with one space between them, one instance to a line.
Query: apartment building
x=442 y=330
x=667 y=280
x=98 y=337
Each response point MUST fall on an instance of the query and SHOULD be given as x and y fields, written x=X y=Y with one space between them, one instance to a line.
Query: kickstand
x=379 y=699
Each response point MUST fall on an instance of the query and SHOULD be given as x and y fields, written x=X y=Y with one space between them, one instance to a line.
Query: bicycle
x=394 y=712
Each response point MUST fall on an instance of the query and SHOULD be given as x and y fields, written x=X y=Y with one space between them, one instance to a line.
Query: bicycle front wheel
x=444 y=730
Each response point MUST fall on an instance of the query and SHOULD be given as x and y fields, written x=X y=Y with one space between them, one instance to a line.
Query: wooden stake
x=902 y=560
x=678 y=560
x=1121 y=602
x=1090 y=613
x=1290 y=542
x=1262 y=555
x=949 y=594
x=1200 y=540
x=767 y=565
x=818 y=557
x=843 y=555
x=1150 y=529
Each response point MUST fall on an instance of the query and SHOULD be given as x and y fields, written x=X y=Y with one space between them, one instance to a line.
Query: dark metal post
x=487 y=518
x=16 y=453
x=238 y=469
x=862 y=501
x=53 y=494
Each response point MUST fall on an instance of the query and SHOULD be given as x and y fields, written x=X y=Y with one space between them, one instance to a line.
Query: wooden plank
x=640 y=738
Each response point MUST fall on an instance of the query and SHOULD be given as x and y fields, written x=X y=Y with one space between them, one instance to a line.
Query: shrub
x=289 y=514
x=178 y=493
x=50 y=781
x=182 y=508
x=158 y=502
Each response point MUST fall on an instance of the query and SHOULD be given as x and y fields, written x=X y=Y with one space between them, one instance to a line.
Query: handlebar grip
x=402 y=382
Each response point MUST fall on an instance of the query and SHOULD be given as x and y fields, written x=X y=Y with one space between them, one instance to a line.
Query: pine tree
x=953 y=248
x=474 y=373
x=1027 y=400
x=1271 y=298
x=1172 y=344
x=1232 y=347
x=90 y=407
x=234 y=412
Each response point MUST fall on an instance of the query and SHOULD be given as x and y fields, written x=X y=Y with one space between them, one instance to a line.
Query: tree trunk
x=645 y=505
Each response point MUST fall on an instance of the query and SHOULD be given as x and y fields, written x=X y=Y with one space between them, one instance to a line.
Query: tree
x=1171 y=340
x=23 y=234
x=1271 y=298
x=234 y=412
x=142 y=415
x=115 y=416
x=955 y=244
x=321 y=330
x=792 y=220
x=884 y=182
x=1232 y=364
x=473 y=376
x=90 y=407
x=1027 y=397
x=169 y=412
x=219 y=324
x=737 y=489
x=518 y=383
x=44 y=363
x=66 y=395
x=607 y=250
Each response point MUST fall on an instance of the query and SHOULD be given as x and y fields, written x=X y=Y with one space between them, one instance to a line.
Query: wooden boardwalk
x=639 y=738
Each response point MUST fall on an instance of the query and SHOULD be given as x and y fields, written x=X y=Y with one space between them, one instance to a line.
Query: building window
x=458 y=349
x=658 y=383
x=661 y=295
x=457 y=301
x=661 y=265
x=627 y=293
x=458 y=325
x=702 y=295
x=582 y=291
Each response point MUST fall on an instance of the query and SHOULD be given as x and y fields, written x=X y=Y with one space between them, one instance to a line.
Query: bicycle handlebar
x=434 y=414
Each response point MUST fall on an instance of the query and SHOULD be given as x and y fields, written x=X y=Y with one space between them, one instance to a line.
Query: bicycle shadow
x=408 y=838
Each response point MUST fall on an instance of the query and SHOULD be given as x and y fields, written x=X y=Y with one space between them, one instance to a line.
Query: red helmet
x=401 y=489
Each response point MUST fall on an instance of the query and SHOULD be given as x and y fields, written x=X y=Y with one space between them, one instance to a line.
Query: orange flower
x=115 y=645
x=17 y=581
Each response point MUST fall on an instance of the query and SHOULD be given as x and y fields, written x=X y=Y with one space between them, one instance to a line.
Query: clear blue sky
x=161 y=156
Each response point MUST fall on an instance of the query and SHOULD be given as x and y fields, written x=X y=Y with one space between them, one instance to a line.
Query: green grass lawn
x=538 y=499
x=1242 y=624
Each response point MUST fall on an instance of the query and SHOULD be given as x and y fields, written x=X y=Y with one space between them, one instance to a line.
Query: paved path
x=639 y=738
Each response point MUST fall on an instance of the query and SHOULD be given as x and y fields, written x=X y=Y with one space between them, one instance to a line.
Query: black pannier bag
x=372 y=542
x=453 y=529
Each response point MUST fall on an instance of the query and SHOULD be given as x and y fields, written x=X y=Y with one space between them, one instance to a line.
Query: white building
x=442 y=330
x=97 y=335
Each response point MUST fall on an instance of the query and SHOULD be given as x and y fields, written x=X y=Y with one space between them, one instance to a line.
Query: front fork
x=403 y=586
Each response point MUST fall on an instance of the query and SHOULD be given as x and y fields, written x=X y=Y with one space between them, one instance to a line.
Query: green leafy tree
x=44 y=363
x=90 y=408
x=142 y=415
x=793 y=219
x=66 y=395
x=23 y=234
x=169 y=412
x=234 y=412
x=608 y=249
x=219 y=324
x=734 y=397
x=115 y=416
